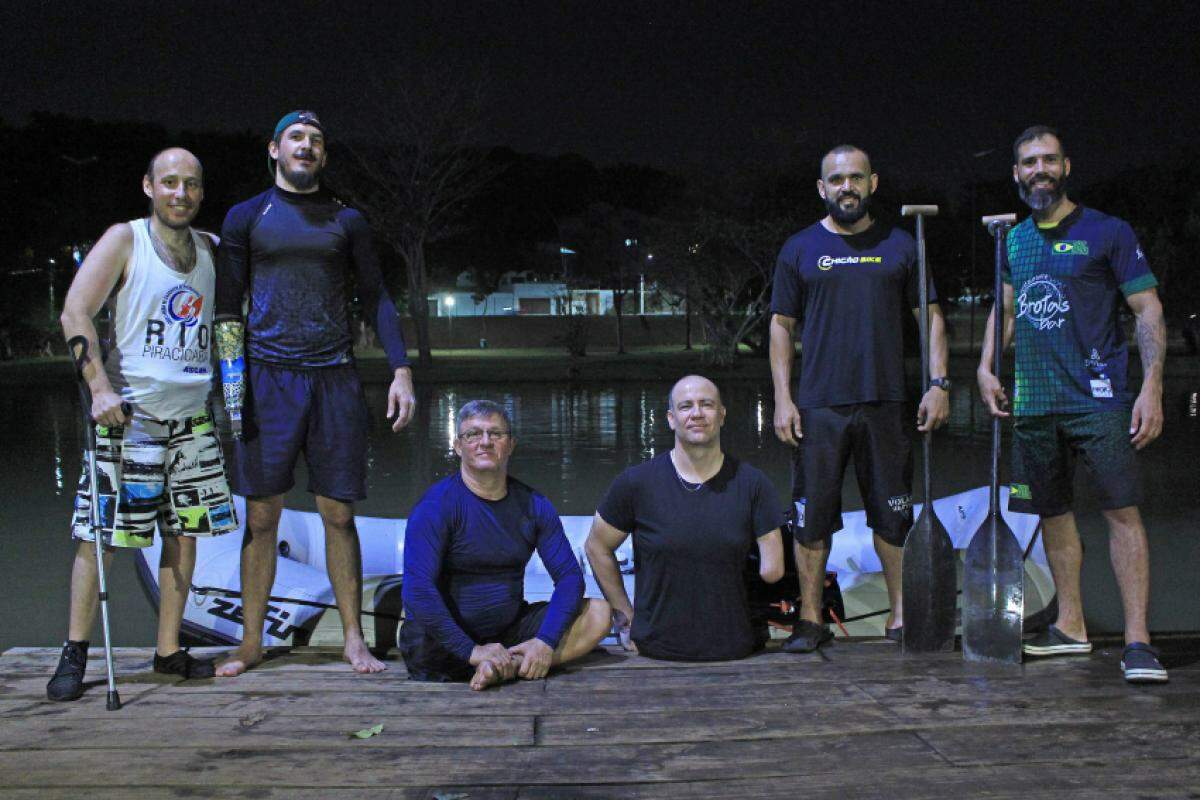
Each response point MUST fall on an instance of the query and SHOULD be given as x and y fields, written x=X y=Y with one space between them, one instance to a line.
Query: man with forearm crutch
x=156 y=459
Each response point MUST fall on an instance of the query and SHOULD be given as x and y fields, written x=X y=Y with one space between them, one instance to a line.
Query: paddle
x=78 y=345
x=994 y=577
x=929 y=575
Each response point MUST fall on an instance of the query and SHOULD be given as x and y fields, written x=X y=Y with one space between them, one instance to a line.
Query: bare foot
x=239 y=661
x=485 y=675
x=360 y=658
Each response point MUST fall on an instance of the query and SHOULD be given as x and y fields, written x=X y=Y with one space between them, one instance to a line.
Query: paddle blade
x=930 y=586
x=993 y=594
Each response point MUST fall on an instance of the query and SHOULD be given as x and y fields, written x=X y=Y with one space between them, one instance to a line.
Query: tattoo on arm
x=1152 y=341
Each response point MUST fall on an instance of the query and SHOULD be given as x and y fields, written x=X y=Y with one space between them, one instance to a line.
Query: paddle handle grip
x=918 y=211
x=987 y=221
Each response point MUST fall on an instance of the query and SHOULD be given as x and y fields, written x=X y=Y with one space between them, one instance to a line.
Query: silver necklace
x=690 y=488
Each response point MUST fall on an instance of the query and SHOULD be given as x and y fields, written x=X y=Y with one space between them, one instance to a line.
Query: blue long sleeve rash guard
x=292 y=254
x=465 y=559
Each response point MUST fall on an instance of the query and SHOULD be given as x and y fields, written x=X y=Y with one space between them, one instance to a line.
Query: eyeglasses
x=475 y=435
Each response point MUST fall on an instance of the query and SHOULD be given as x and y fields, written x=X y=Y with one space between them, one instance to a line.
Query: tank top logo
x=1043 y=303
x=182 y=304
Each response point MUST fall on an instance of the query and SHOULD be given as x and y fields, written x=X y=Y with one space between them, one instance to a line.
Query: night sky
x=705 y=86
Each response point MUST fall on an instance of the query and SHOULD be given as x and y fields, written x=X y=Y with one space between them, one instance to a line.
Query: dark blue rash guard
x=465 y=559
x=292 y=255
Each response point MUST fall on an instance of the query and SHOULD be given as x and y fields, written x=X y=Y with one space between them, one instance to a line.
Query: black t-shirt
x=690 y=548
x=850 y=294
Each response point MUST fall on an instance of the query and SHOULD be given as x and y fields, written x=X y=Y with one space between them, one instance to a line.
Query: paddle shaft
x=923 y=294
x=998 y=227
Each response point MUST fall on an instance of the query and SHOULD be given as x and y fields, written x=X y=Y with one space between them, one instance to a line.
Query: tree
x=415 y=178
x=723 y=265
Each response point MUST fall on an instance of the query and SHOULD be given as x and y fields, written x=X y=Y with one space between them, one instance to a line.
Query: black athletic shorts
x=875 y=435
x=1045 y=450
x=429 y=661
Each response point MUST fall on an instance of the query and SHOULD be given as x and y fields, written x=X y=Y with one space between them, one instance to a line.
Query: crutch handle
x=918 y=211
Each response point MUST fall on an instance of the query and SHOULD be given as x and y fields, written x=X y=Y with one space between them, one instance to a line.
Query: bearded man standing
x=289 y=254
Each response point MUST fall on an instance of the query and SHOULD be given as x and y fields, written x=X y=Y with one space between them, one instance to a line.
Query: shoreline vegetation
x=554 y=364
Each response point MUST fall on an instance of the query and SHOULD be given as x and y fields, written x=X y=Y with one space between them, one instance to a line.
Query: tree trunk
x=618 y=302
x=418 y=302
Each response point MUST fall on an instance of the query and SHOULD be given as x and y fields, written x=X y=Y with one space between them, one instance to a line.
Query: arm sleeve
x=424 y=547
x=378 y=308
x=787 y=295
x=1129 y=263
x=555 y=552
x=233 y=264
x=617 y=507
x=765 y=511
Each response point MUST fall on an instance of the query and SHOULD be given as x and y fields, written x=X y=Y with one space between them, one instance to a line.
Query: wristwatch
x=941 y=383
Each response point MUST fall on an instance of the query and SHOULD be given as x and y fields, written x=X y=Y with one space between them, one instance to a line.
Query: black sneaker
x=1140 y=664
x=67 y=683
x=1053 y=642
x=894 y=634
x=182 y=663
x=806 y=637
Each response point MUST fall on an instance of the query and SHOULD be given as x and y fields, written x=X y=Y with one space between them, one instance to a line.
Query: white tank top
x=159 y=353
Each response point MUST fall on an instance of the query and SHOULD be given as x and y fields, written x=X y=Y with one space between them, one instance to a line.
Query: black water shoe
x=806 y=637
x=1140 y=664
x=67 y=683
x=182 y=663
x=1053 y=642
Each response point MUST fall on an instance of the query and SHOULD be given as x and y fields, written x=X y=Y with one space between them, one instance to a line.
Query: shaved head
x=843 y=149
x=172 y=155
x=697 y=380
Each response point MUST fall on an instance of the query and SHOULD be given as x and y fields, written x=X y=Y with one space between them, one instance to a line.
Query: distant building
x=522 y=293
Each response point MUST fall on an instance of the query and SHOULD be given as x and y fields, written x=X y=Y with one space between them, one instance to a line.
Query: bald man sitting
x=694 y=513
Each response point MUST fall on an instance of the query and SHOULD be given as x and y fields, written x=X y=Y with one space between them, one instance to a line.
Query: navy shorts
x=1046 y=449
x=874 y=435
x=319 y=412
x=427 y=660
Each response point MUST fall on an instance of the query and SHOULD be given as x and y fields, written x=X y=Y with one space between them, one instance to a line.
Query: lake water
x=571 y=443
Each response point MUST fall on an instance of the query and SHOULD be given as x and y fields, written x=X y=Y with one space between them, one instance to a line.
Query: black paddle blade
x=930 y=587
x=993 y=594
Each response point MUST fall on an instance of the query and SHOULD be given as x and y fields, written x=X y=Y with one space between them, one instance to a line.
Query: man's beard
x=1040 y=199
x=844 y=216
x=302 y=180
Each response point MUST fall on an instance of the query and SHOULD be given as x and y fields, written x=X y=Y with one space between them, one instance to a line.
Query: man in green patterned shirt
x=1066 y=270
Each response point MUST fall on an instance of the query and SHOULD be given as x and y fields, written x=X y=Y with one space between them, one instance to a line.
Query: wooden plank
x=1144 y=779
x=987 y=709
x=261 y=793
x=260 y=730
x=1097 y=743
x=698 y=726
x=399 y=766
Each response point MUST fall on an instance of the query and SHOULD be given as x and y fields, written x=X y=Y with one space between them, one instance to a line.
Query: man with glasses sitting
x=466 y=547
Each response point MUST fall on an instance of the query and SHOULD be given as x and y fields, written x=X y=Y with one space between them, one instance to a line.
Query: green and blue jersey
x=1069 y=281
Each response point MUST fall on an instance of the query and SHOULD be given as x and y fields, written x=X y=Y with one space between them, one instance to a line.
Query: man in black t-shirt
x=694 y=514
x=848 y=280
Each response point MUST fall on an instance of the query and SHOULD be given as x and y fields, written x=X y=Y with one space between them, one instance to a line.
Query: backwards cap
x=285 y=122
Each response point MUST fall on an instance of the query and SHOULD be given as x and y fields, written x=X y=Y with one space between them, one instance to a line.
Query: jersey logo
x=1043 y=303
x=1075 y=248
x=182 y=304
x=826 y=263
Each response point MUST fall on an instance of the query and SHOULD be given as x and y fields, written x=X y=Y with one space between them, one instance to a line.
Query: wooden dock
x=856 y=720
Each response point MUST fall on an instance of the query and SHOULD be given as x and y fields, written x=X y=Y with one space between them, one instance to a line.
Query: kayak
x=301 y=594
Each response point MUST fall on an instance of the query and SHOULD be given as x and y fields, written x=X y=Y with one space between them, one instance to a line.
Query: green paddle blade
x=993 y=594
x=930 y=586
